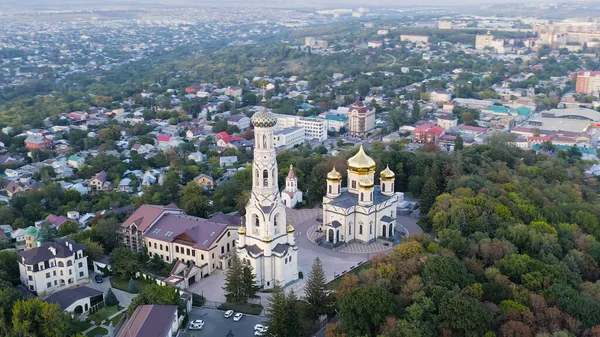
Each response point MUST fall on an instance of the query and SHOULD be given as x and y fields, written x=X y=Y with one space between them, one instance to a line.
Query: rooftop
x=64 y=298
x=149 y=321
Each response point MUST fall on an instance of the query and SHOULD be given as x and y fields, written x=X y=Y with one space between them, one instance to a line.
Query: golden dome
x=290 y=228
x=387 y=174
x=361 y=162
x=267 y=238
x=365 y=182
x=242 y=230
x=334 y=175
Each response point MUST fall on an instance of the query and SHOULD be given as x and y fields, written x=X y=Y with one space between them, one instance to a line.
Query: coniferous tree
x=428 y=195
x=316 y=296
x=234 y=282
x=110 y=299
x=132 y=287
x=294 y=326
x=416 y=111
x=277 y=312
x=250 y=288
x=458 y=143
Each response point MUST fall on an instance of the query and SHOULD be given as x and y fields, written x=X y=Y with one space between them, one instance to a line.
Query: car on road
x=228 y=313
x=98 y=278
x=261 y=328
x=196 y=325
x=238 y=316
x=259 y=333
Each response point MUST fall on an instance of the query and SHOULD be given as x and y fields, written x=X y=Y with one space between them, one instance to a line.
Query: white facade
x=314 y=128
x=53 y=266
x=440 y=96
x=288 y=138
x=447 y=122
x=264 y=241
x=362 y=211
x=291 y=195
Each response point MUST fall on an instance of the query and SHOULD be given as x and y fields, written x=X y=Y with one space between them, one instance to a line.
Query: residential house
x=99 y=183
x=233 y=91
x=440 y=96
x=77 y=300
x=18 y=235
x=143 y=148
x=206 y=181
x=242 y=122
x=151 y=321
x=38 y=142
x=194 y=133
x=57 y=220
x=227 y=160
x=124 y=185
x=75 y=161
x=447 y=121
x=53 y=266
x=427 y=132
x=15 y=187
x=197 y=156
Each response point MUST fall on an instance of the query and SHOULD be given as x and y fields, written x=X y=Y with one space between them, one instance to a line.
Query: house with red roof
x=57 y=220
x=427 y=133
x=99 y=182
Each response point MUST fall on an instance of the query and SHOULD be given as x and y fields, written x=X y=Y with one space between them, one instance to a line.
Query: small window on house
x=222 y=249
x=49 y=284
x=176 y=249
x=202 y=257
x=161 y=247
x=193 y=252
x=80 y=264
x=228 y=234
x=188 y=251
x=30 y=278
x=80 y=274
x=166 y=248
x=213 y=255
x=47 y=275
x=155 y=245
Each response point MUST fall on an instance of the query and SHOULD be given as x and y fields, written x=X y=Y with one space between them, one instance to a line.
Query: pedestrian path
x=353 y=247
x=105 y=322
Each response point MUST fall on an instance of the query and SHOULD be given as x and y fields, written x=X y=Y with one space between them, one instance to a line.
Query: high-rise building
x=361 y=120
x=265 y=242
x=588 y=82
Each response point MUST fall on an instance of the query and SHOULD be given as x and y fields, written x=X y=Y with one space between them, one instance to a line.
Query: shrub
x=110 y=299
x=132 y=287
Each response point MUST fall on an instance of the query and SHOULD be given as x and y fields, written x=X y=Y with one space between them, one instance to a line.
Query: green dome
x=31 y=231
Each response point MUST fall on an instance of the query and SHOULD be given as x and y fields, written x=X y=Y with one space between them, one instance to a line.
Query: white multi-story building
x=361 y=120
x=288 y=138
x=265 y=243
x=440 y=96
x=53 y=266
x=314 y=128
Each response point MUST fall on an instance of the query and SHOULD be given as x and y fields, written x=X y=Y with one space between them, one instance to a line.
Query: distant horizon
x=43 y=5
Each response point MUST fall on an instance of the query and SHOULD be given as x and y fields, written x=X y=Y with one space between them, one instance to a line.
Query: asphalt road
x=215 y=325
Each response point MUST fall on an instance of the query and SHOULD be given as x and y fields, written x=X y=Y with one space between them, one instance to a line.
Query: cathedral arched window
x=353 y=183
x=276 y=224
x=265 y=141
x=329 y=189
x=371 y=229
x=350 y=228
x=274 y=176
x=360 y=229
x=265 y=178
x=339 y=189
x=256 y=224
x=392 y=188
x=383 y=187
x=362 y=196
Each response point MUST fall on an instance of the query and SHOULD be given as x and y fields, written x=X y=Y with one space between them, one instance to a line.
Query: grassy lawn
x=116 y=319
x=121 y=284
x=333 y=284
x=103 y=313
x=97 y=331
x=81 y=326
x=250 y=309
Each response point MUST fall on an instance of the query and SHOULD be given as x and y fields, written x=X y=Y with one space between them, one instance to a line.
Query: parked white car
x=196 y=325
x=238 y=316
x=228 y=313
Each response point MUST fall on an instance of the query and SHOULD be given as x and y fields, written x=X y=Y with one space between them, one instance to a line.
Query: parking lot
x=215 y=325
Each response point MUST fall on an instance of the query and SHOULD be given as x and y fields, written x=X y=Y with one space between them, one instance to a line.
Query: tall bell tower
x=265 y=241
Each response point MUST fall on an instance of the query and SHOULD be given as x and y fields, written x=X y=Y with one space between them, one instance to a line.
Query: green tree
x=94 y=250
x=446 y=272
x=458 y=143
x=8 y=297
x=10 y=266
x=68 y=228
x=47 y=233
x=124 y=262
x=110 y=299
x=106 y=232
x=33 y=317
x=249 y=285
x=234 y=286
x=283 y=314
x=194 y=200
x=416 y=111
x=364 y=310
x=132 y=287
x=156 y=294
x=315 y=292
x=428 y=195
x=466 y=315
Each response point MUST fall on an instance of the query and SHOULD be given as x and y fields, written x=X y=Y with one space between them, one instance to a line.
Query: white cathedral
x=264 y=240
x=361 y=211
x=291 y=195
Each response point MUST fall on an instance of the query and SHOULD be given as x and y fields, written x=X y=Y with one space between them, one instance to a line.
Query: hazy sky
x=81 y=4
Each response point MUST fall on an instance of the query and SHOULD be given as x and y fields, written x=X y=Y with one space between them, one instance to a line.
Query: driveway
x=123 y=297
x=215 y=325
x=211 y=287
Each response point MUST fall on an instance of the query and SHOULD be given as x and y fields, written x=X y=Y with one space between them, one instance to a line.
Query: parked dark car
x=98 y=278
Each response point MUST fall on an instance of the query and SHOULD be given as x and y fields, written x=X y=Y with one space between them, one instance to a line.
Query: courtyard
x=216 y=325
